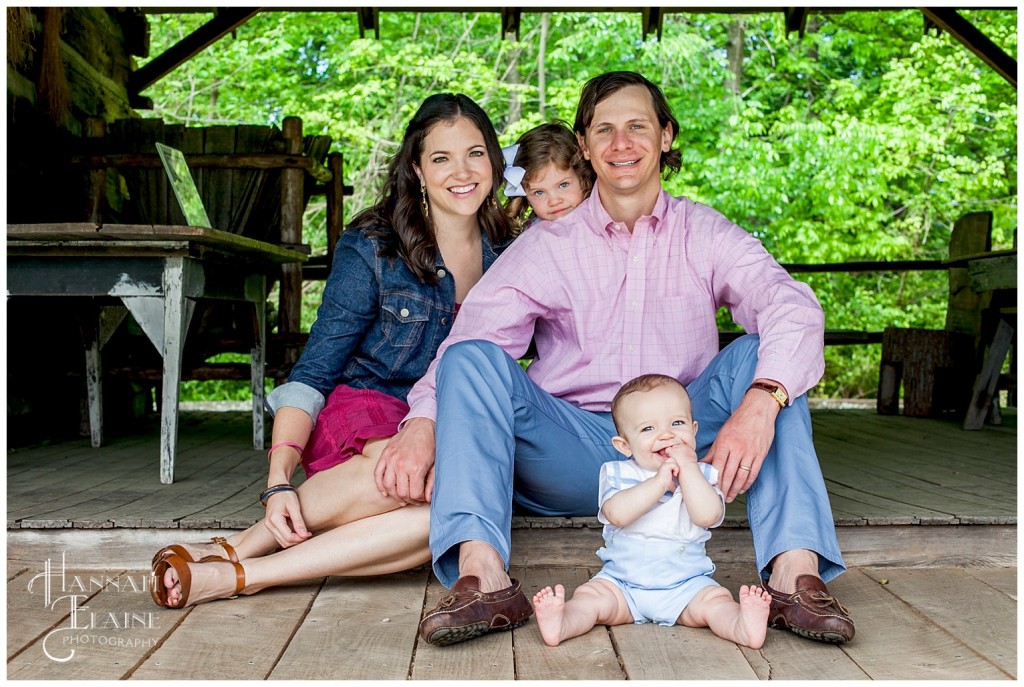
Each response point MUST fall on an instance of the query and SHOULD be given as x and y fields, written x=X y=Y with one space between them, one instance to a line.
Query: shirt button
x=404 y=312
x=636 y=258
x=444 y=320
x=682 y=548
x=441 y=273
x=630 y=349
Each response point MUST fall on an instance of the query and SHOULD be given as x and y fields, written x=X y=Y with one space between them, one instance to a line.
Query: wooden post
x=335 y=205
x=985 y=386
x=972 y=235
x=290 y=309
x=96 y=204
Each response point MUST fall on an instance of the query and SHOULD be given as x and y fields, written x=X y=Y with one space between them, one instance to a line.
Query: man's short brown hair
x=603 y=86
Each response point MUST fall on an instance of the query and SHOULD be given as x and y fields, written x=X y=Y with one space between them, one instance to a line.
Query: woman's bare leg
x=336 y=496
x=385 y=543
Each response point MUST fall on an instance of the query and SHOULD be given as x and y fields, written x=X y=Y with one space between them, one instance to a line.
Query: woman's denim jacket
x=378 y=327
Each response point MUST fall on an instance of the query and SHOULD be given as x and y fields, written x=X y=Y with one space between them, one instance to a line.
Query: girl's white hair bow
x=513 y=175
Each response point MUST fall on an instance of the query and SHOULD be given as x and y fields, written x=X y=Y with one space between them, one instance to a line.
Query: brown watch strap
x=772 y=389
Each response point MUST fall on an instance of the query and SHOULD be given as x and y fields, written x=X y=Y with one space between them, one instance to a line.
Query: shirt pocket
x=404 y=320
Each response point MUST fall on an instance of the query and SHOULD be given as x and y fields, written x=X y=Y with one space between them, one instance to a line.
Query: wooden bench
x=956 y=371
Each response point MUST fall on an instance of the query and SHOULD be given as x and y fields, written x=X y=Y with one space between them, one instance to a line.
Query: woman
x=399 y=274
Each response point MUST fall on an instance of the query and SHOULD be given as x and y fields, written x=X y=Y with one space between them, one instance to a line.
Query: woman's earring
x=494 y=200
x=423 y=203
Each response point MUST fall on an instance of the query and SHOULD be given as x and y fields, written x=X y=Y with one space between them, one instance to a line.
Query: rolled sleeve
x=296 y=395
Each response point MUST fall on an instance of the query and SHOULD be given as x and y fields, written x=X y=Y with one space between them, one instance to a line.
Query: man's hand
x=405 y=470
x=743 y=442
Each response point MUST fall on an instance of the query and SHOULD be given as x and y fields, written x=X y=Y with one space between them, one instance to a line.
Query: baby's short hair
x=643 y=383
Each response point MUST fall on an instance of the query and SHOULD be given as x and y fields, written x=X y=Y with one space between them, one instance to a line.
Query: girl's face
x=456 y=170
x=553 y=191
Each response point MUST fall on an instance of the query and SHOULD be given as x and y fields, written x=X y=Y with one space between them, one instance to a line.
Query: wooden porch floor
x=926 y=516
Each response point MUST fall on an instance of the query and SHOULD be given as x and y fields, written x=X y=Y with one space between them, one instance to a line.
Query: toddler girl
x=545 y=172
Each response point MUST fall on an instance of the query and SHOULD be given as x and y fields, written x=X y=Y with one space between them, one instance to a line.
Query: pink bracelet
x=284 y=443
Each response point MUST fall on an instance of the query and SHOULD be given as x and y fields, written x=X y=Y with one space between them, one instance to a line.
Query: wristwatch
x=777 y=392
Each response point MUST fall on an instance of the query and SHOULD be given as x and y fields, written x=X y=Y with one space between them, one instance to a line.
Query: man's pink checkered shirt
x=606 y=305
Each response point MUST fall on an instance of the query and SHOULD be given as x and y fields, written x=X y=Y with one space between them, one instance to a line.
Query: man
x=629 y=283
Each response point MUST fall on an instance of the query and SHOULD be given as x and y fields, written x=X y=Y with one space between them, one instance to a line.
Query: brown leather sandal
x=159 y=592
x=179 y=550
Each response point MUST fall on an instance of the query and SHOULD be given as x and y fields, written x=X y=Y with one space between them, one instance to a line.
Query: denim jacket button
x=444 y=321
x=404 y=312
x=441 y=273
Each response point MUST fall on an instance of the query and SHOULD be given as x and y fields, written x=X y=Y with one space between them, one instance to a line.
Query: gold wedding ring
x=744 y=467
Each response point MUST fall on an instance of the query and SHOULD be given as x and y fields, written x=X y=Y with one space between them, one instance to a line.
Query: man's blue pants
x=501 y=439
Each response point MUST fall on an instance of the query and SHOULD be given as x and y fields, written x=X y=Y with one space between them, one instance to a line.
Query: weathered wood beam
x=510 y=17
x=369 y=18
x=652 y=21
x=868 y=266
x=950 y=21
x=209 y=160
x=796 y=20
x=226 y=21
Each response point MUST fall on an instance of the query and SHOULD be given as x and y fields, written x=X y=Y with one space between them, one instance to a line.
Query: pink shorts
x=350 y=418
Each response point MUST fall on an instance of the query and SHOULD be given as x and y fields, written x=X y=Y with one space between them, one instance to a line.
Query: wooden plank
x=77 y=472
x=929 y=546
x=236 y=639
x=94 y=548
x=215 y=238
x=117 y=488
x=941 y=441
x=785 y=656
x=879 y=438
x=587 y=657
x=577 y=546
x=888 y=476
x=946 y=439
x=893 y=642
x=218 y=195
x=232 y=474
x=1003 y=579
x=981 y=617
x=374 y=620
x=653 y=652
x=249 y=183
x=972 y=234
x=964 y=479
x=921 y=496
x=985 y=384
x=489 y=657
x=993 y=272
x=117 y=627
x=879 y=509
x=38 y=602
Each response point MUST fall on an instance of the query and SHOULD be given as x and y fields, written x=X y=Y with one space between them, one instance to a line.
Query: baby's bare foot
x=752 y=625
x=550 y=609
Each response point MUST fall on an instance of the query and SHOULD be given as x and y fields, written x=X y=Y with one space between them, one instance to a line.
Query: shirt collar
x=601 y=218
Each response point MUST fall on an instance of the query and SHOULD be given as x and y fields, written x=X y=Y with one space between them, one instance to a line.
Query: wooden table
x=988 y=272
x=157 y=273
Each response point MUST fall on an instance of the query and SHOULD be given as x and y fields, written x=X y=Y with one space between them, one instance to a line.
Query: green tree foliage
x=865 y=139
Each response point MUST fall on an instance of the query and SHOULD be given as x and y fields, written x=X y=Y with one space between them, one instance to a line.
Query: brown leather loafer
x=468 y=612
x=811 y=611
